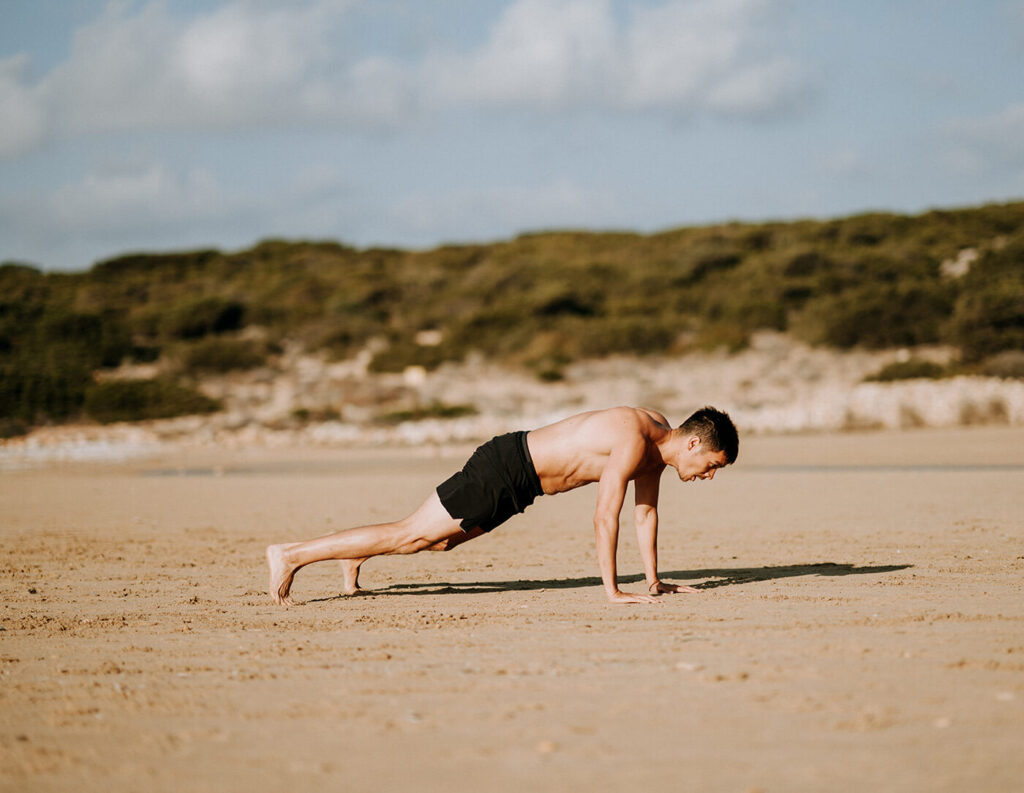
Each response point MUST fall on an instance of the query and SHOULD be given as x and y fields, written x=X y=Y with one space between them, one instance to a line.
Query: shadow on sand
x=718 y=577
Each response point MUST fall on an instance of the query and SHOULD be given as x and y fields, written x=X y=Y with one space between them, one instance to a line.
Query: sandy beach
x=860 y=626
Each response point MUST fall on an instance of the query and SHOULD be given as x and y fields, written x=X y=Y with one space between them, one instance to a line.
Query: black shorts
x=497 y=482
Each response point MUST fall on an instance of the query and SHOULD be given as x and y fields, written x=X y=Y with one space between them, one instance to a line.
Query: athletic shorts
x=497 y=482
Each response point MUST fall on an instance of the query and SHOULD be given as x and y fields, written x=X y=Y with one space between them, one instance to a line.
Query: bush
x=908 y=370
x=635 y=335
x=203 y=316
x=217 y=355
x=47 y=385
x=1008 y=364
x=989 y=314
x=12 y=428
x=141 y=400
x=435 y=410
x=717 y=335
x=400 y=354
x=877 y=316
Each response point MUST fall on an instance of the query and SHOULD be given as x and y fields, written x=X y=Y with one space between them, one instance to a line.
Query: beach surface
x=860 y=626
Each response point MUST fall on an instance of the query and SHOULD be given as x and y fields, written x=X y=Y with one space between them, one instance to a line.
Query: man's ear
x=692 y=443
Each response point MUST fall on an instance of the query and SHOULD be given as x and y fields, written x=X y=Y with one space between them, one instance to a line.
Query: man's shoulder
x=637 y=419
x=626 y=411
x=633 y=429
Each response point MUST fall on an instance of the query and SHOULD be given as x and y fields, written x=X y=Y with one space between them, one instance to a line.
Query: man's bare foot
x=350 y=576
x=280 y=575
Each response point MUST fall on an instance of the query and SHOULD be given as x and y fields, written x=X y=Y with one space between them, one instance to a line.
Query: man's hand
x=618 y=596
x=661 y=588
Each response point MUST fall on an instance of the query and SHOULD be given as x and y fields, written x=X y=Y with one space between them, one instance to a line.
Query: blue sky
x=172 y=125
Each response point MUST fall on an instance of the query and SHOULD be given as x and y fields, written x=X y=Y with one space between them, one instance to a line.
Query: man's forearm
x=606 y=535
x=647 y=540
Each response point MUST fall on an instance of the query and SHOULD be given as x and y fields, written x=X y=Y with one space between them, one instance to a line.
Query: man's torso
x=575 y=451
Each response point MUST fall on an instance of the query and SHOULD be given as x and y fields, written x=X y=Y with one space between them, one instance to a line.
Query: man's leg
x=350 y=567
x=428 y=526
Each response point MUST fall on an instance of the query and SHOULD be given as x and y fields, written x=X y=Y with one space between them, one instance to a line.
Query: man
x=503 y=477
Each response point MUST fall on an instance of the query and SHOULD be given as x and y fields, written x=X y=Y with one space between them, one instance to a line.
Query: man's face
x=700 y=463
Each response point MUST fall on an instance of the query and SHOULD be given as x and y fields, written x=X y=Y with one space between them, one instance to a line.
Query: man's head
x=711 y=442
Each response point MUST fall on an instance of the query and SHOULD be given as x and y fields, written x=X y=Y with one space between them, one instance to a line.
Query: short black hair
x=715 y=430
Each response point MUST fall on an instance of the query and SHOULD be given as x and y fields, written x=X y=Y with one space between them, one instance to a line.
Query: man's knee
x=455 y=540
x=447 y=544
x=415 y=539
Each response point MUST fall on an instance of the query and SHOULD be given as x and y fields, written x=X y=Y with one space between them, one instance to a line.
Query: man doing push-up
x=503 y=477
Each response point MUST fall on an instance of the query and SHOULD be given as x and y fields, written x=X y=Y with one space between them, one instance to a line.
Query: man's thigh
x=432 y=521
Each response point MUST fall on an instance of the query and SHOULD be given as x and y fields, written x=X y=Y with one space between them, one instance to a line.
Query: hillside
x=537 y=304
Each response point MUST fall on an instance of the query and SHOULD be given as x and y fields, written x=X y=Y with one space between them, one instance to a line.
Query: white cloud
x=22 y=117
x=248 y=62
x=681 y=56
x=993 y=142
x=539 y=53
x=137 y=195
x=244 y=63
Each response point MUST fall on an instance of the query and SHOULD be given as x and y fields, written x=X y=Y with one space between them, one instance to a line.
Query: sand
x=860 y=627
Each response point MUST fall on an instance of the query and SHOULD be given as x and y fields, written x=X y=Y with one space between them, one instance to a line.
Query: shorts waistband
x=530 y=467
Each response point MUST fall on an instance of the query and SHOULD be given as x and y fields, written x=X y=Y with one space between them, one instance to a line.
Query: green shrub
x=12 y=428
x=43 y=384
x=306 y=415
x=728 y=336
x=551 y=374
x=989 y=314
x=203 y=316
x=141 y=400
x=877 y=316
x=435 y=410
x=908 y=370
x=618 y=335
x=216 y=354
x=400 y=354
x=1007 y=364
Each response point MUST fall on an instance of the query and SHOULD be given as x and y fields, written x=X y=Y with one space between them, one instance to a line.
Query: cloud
x=22 y=116
x=988 y=143
x=135 y=195
x=682 y=56
x=245 y=63
x=538 y=53
x=248 y=63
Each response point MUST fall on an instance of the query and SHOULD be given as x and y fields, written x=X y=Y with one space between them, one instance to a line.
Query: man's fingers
x=678 y=588
x=629 y=597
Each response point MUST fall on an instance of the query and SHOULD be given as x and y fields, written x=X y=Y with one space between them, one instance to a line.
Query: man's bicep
x=618 y=470
x=611 y=493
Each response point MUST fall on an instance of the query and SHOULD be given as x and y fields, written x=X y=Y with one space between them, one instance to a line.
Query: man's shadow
x=716 y=577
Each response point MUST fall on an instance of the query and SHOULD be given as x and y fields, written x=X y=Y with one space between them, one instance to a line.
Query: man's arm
x=645 y=516
x=611 y=493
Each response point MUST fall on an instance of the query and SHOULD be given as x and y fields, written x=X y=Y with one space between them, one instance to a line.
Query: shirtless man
x=503 y=477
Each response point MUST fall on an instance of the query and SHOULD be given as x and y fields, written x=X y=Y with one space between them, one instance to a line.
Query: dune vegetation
x=540 y=301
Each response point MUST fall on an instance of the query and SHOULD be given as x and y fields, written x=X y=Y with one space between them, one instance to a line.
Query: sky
x=131 y=126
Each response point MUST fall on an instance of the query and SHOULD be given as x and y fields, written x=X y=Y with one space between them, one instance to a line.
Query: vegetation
x=219 y=355
x=912 y=369
x=136 y=400
x=435 y=410
x=540 y=300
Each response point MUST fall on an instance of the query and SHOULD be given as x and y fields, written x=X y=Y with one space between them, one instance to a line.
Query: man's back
x=576 y=450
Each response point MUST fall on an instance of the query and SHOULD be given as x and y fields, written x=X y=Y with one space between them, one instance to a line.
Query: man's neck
x=671 y=447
